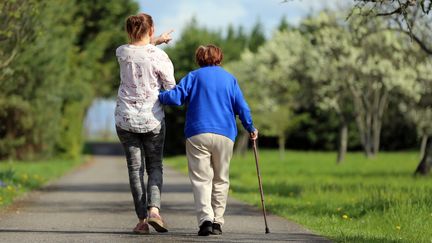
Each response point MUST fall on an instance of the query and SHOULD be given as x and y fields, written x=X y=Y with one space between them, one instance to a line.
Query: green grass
x=361 y=200
x=17 y=178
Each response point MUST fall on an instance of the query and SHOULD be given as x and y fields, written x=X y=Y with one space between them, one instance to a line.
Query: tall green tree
x=257 y=36
x=283 y=24
x=41 y=70
x=55 y=56
x=102 y=30
x=16 y=31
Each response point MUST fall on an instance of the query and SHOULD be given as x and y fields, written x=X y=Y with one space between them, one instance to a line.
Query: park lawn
x=18 y=177
x=361 y=200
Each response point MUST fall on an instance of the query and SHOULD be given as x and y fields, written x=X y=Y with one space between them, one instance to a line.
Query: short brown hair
x=137 y=26
x=209 y=55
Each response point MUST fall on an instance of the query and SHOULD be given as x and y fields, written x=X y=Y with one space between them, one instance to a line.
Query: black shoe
x=205 y=228
x=217 y=230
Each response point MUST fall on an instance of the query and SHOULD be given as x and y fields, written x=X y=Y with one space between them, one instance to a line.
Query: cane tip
x=267 y=231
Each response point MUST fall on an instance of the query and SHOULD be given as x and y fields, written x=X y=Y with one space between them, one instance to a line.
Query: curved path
x=93 y=204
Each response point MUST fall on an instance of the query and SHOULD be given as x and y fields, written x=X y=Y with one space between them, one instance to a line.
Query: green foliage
x=375 y=200
x=15 y=30
x=284 y=25
x=17 y=116
x=269 y=80
x=70 y=141
x=101 y=32
x=234 y=43
x=357 y=67
x=418 y=107
x=257 y=37
x=57 y=57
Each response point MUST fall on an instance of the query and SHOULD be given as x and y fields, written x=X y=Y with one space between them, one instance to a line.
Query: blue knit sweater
x=213 y=99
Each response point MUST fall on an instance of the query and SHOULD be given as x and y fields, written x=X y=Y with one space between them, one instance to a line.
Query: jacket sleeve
x=241 y=109
x=165 y=71
x=179 y=95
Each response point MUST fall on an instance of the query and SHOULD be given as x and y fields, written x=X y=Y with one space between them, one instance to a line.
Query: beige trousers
x=209 y=158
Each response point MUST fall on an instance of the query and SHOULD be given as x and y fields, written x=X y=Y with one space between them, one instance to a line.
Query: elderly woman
x=213 y=98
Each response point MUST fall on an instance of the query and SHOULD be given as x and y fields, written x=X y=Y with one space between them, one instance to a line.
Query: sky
x=213 y=14
x=218 y=14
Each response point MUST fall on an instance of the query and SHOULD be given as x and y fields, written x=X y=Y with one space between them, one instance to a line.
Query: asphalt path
x=93 y=204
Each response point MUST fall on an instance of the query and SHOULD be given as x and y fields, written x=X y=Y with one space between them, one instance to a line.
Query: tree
x=252 y=42
x=269 y=83
x=356 y=68
x=283 y=24
x=378 y=71
x=326 y=68
x=102 y=30
x=53 y=64
x=411 y=17
x=257 y=37
x=419 y=109
x=15 y=29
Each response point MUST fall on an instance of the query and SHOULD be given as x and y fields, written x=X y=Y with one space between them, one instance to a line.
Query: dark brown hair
x=209 y=55
x=137 y=26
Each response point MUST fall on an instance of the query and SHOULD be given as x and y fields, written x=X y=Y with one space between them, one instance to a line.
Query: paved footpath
x=93 y=204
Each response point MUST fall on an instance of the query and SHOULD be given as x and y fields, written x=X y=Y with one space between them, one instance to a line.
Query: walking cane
x=260 y=186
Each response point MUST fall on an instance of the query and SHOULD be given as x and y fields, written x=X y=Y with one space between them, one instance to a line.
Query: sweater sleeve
x=241 y=109
x=179 y=94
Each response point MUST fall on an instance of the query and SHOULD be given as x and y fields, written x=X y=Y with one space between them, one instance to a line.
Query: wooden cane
x=260 y=186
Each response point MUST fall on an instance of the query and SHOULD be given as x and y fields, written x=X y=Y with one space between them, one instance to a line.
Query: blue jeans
x=144 y=152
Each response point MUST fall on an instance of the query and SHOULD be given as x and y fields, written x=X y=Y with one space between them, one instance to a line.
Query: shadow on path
x=111 y=187
x=180 y=234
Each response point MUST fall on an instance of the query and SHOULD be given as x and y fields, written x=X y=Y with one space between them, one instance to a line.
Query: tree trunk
x=364 y=121
x=242 y=143
x=423 y=145
x=368 y=136
x=369 y=106
x=343 y=142
x=376 y=134
x=281 y=142
x=364 y=135
x=426 y=162
x=368 y=147
x=378 y=113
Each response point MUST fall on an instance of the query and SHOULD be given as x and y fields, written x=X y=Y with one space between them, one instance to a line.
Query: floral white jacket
x=144 y=71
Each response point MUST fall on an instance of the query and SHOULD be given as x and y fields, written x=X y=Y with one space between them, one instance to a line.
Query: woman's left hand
x=253 y=135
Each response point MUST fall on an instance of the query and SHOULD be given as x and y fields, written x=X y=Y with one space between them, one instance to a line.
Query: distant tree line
x=325 y=84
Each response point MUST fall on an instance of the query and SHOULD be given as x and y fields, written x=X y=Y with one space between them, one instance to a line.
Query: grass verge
x=18 y=177
x=361 y=200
